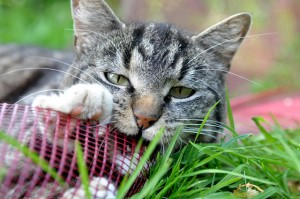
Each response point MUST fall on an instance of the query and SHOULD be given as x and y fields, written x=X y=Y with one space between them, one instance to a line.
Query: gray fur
x=155 y=57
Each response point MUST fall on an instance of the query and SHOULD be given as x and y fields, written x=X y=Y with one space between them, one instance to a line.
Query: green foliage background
x=36 y=22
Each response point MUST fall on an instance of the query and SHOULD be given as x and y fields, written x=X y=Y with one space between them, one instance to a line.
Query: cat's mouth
x=139 y=136
x=136 y=132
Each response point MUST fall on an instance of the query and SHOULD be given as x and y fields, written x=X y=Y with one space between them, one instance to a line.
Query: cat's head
x=160 y=76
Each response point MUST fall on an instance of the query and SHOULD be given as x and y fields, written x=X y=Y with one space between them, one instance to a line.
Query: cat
x=156 y=74
x=141 y=77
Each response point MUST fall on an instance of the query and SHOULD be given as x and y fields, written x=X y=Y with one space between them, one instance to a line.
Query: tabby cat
x=144 y=76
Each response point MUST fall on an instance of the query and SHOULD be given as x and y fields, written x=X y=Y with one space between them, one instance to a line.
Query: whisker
x=208 y=123
x=105 y=121
x=195 y=131
x=112 y=43
x=52 y=59
x=196 y=125
x=71 y=66
x=229 y=40
x=203 y=133
x=230 y=73
x=239 y=76
x=208 y=85
x=101 y=35
x=29 y=95
x=41 y=91
x=236 y=75
x=52 y=69
x=200 y=120
x=163 y=149
x=211 y=122
x=181 y=141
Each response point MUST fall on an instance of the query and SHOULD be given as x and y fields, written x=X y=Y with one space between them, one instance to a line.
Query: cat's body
x=142 y=77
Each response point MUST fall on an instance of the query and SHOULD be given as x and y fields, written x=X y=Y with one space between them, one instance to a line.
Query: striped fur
x=155 y=57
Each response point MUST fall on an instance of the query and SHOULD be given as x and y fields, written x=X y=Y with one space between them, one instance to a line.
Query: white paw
x=84 y=101
x=126 y=164
x=99 y=188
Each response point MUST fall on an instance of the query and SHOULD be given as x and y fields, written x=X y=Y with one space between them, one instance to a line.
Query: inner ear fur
x=226 y=36
x=92 y=17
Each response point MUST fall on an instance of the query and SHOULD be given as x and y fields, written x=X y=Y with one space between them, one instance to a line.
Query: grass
x=83 y=171
x=126 y=184
x=266 y=164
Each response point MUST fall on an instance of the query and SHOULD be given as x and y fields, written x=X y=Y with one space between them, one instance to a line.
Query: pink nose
x=144 y=121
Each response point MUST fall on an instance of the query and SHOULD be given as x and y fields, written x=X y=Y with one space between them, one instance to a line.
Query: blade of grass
x=212 y=171
x=268 y=136
x=270 y=192
x=126 y=184
x=35 y=158
x=220 y=185
x=292 y=156
x=205 y=120
x=203 y=123
x=171 y=146
x=153 y=181
x=232 y=142
x=230 y=114
x=166 y=161
x=136 y=151
x=221 y=195
x=83 y=171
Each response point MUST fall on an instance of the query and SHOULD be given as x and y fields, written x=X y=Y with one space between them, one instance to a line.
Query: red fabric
x=285 y=108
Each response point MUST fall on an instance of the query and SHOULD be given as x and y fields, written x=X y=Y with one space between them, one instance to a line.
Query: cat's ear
x=225 y=37
x=92 y=17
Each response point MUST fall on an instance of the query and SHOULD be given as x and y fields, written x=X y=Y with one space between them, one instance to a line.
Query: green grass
x=36 y=22
x=245 y=166
x=127 y=182
x=83 y=171
x=270 y=161
x=4 y=137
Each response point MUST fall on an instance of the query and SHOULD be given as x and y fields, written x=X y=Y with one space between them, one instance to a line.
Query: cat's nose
x=145 y=121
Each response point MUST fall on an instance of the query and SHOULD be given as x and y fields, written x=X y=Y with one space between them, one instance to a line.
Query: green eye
x=117 y=79
x=181 y=92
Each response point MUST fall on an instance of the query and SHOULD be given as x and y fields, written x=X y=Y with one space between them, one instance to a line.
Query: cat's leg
x=83 y=101
x=99 y=188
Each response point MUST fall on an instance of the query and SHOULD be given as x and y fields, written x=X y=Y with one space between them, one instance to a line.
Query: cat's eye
x=117 y=79
x=181 y=92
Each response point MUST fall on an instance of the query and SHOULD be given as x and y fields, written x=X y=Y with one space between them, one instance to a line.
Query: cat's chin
x=126 y=129
x=134 y=132
x=147 y=134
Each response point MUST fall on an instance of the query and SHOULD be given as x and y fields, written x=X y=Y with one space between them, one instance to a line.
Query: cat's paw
x=84 y=101
x=99 y=188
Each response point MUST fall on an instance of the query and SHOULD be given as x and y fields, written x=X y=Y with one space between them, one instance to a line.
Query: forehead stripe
x=137 y=37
